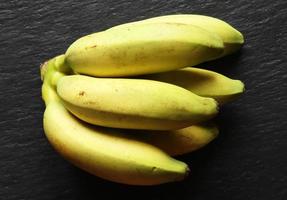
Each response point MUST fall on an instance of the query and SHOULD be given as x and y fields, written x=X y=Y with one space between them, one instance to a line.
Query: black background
x=247 y=161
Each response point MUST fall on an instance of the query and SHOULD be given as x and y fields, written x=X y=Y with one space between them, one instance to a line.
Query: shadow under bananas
x=205 y=163
x=225 y=65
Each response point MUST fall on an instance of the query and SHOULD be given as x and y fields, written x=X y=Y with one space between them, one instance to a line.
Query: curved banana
x=106 y=154
x=231 y=37
x=178 y=142
x=174 y=142
x=102 y=151
x=133 y=103
x=202 y=82
x=142 y=49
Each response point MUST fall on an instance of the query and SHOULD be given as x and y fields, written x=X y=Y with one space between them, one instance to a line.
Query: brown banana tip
x=43 y=70
x=243 y=87
x=217 y=108
x=187 y=172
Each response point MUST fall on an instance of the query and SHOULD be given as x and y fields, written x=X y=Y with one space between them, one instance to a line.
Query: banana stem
x=58 y=64
x=49 y=94
x=51 y=71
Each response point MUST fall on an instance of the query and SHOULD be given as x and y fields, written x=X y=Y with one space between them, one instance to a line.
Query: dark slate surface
x=247 y=161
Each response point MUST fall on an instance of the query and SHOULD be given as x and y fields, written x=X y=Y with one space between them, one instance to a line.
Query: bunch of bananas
x=121 y=102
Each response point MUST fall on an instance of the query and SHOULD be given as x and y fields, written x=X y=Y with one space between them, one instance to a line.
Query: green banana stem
x=49 y=94
x=51 y=72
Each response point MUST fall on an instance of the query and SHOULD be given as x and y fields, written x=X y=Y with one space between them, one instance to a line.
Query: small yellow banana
x=142 y=49
x=133 y=103
x=174 y=142
x=202 y=82
x=231 y=38
x=177 y=142
x=106 y=154
x=102 y=151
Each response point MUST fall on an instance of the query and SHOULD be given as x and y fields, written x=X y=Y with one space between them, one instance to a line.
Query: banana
x=105 y=154
x=174 y=142
x=177 y=142
x=142 y=49
x=231 y=38
x=102 y=151
x=133 y=103
x=202 y=82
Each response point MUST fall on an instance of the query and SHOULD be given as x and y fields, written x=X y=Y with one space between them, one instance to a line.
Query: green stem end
x=51 y=71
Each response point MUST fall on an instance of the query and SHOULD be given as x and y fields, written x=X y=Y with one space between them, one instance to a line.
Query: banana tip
x=43 y=69
x=187 y=172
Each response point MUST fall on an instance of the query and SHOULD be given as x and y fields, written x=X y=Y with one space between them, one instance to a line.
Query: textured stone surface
x=247 y=161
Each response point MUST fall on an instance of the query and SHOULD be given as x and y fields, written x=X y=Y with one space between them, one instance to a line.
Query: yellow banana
x=102 y=151
x=133 y=103
x=231 y=38
x=106 y=154
x=174 y=142
x=202 y=82
x=177 y=142
x=142 y=49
